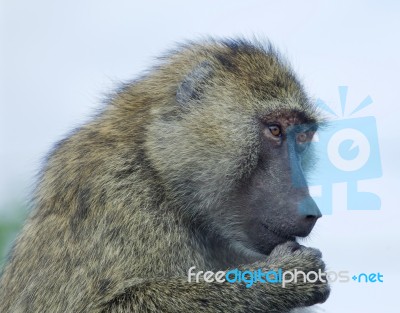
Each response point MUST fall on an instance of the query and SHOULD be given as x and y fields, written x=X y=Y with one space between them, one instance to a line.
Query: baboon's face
x=274 y=204
x=243 y=175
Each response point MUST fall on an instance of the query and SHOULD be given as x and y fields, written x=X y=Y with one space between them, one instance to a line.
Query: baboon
x=200 y=162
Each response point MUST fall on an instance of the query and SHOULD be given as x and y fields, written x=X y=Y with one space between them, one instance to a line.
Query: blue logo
x=348 y=152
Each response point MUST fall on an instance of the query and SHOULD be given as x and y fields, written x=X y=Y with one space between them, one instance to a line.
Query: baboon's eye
x=302 y=137
x=303 y=140
x=275 y=130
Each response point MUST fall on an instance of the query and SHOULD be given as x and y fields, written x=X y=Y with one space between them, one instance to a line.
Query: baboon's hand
x=290 y=256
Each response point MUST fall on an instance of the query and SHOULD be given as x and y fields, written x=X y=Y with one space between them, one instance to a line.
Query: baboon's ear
x=192 y=86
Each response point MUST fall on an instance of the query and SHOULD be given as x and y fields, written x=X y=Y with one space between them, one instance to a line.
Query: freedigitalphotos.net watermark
x=251 y=277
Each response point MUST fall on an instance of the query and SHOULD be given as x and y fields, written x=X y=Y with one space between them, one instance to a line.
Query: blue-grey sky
x=59 y=59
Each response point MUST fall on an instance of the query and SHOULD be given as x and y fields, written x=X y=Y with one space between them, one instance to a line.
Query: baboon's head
x=231 y=142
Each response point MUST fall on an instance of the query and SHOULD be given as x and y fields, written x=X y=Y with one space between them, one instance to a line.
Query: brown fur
x=120 y=211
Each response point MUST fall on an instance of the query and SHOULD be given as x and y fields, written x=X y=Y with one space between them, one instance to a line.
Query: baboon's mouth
x=278 y=234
